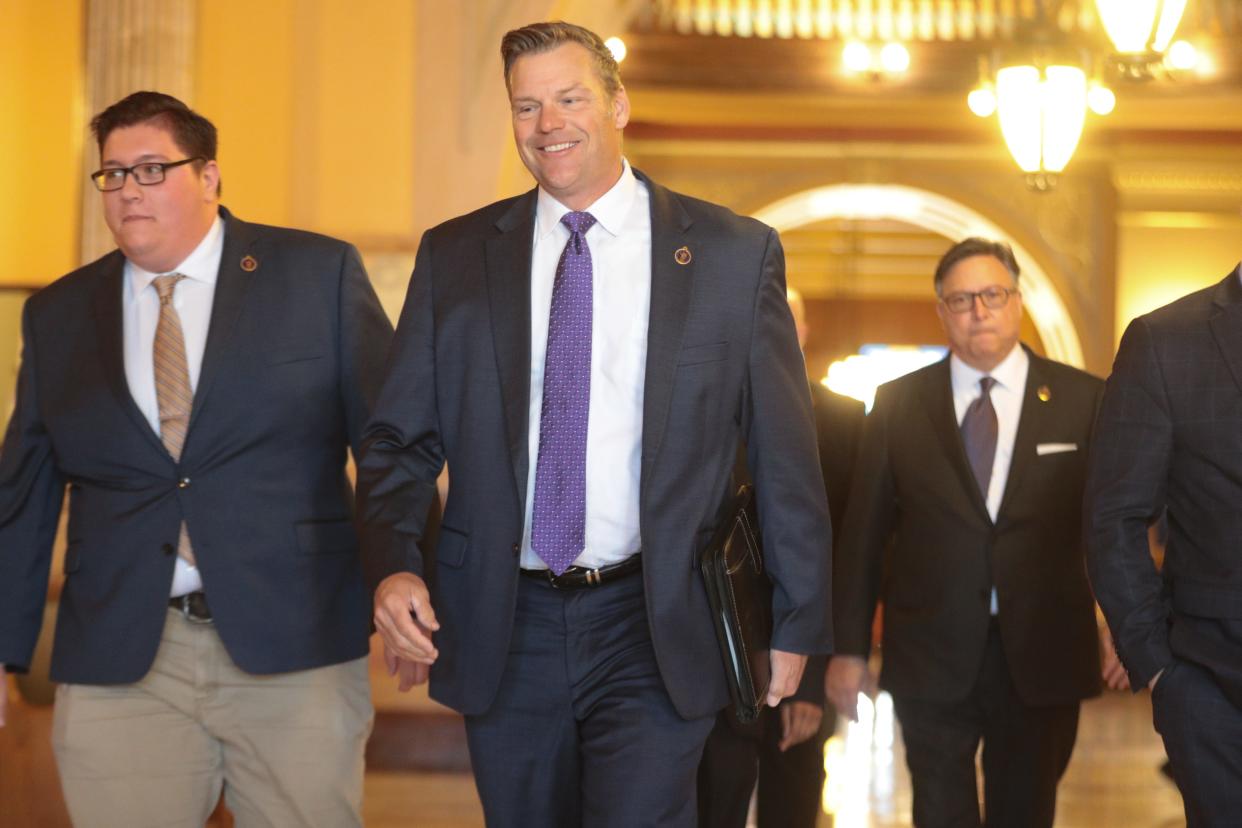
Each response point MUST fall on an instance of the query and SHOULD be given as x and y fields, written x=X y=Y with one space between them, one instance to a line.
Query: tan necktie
x=172 y=384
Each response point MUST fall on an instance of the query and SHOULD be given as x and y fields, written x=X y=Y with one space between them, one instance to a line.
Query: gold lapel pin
x=682 y=255
x=249 y=263
x=1044 y=393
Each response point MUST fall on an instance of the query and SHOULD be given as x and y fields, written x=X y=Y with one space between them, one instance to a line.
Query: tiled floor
x=1112 y=781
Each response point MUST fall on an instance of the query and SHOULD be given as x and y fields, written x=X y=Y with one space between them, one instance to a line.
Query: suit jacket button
x=168 y=549
x=517 y=549
x=183 y=483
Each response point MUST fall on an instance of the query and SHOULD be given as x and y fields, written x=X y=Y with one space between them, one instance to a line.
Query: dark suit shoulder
x=288 y=236
x=836 y=406
x=1193 y=309
x=75 y=285
x=726 y=220
x=482 y=220
x=1067 y=374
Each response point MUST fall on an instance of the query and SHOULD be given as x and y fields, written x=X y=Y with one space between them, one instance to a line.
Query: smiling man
x=965 y=517
x=196 y=391
x=599 y=347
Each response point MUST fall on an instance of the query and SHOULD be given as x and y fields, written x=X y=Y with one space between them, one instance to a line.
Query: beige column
x=130 y=45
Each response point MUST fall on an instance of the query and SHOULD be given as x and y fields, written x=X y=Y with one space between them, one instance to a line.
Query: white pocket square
x=1054 y=448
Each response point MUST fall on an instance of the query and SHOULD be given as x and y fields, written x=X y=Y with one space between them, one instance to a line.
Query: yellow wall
x=41 y=130
x=1164 y=255
x=314 y=103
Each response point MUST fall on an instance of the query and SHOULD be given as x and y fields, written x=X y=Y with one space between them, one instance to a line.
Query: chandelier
x=1041 y=104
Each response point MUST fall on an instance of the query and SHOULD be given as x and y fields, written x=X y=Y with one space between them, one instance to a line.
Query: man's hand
x=404 y=618
x=408 y=673
x=799 y=722
x=786 y=674
x=846 y=677
x=1115 y=676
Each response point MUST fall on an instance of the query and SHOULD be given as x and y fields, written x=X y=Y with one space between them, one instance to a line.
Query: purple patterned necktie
x=558 y=526
x=979 y=432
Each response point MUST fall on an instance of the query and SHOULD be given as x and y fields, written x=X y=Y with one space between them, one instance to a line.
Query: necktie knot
x=164 y=286
x=986 y=383
x=578 y=223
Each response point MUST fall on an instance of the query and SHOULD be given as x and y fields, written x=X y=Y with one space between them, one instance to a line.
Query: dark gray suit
x=291 y=366
x=722 y=366
x=1170 y=437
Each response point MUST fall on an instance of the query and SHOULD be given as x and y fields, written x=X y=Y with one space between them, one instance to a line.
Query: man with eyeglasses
x=965 y=520
x=196 y=391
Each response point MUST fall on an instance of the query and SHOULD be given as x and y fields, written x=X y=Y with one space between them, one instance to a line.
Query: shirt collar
x=610 y=209
x=202 y=265
x=1010 y=374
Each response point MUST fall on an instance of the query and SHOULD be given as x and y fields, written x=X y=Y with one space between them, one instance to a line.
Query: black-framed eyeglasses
x=146 y=173
x=993 y=297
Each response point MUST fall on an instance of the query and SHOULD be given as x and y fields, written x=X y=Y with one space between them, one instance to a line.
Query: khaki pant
x=286 y=749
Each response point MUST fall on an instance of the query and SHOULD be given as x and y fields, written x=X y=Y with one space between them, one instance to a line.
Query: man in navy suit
x=587 y=358
x=196 y=392
x=1169 y=443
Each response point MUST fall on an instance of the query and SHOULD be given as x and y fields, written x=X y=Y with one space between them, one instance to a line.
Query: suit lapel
x=508 y=258
x=240 y=242
x=1029 y=422
x=938 y=404
x=1226 y=322
x=671 y=288
x=110 y=326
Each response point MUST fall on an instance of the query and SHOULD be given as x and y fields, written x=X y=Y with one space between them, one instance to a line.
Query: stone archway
x=948 y=218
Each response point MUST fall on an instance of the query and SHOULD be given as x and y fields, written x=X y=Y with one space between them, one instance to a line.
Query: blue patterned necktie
x=979 y=429
x=558 y=525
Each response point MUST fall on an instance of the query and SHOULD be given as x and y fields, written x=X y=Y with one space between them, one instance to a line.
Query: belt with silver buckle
x=579 y=577
x=192 y=606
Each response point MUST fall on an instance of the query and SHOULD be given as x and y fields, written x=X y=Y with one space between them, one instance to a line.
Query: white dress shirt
x=1007 y=395
x=620 y=243
x=192 y=297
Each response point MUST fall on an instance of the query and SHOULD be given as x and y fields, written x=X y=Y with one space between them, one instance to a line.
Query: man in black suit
x=972 y=471
x=595 y=350
x=784 y=749
x=196 y=391
x=1169 y=437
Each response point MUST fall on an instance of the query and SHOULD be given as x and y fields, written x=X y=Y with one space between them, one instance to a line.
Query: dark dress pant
x=1202 y=732
x=1026 y=749
x=790 y=784
x=582 y=731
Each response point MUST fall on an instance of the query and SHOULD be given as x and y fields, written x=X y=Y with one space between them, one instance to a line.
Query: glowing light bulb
x=982 y=101
x=856 y=57
x=1100 y=99
x=894 y=58
x=617 y=46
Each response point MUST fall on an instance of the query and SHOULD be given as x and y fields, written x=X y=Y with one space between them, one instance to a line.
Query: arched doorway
x=947 y=218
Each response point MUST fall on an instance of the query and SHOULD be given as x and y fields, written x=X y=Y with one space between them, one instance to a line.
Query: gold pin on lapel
x=249 y=263
x=682 y=255
x=1044 y=393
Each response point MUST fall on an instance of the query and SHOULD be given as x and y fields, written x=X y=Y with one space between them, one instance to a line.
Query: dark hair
x=193 y=134
x=543 y=37
x=975 y=246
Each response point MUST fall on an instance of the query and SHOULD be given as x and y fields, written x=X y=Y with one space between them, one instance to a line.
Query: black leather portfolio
x=740 y=594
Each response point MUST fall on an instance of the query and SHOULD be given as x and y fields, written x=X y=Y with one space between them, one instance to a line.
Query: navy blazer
x=723 y=366
x=1170 y=437
x=292 y=365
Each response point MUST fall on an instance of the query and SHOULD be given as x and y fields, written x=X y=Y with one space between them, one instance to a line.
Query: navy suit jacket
x=292 y=364
x=918 y=534
x=723 y=366
x=1170 y=437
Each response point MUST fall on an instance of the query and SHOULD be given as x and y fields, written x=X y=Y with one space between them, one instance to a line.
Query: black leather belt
x=578 y=577
x=192 y=605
